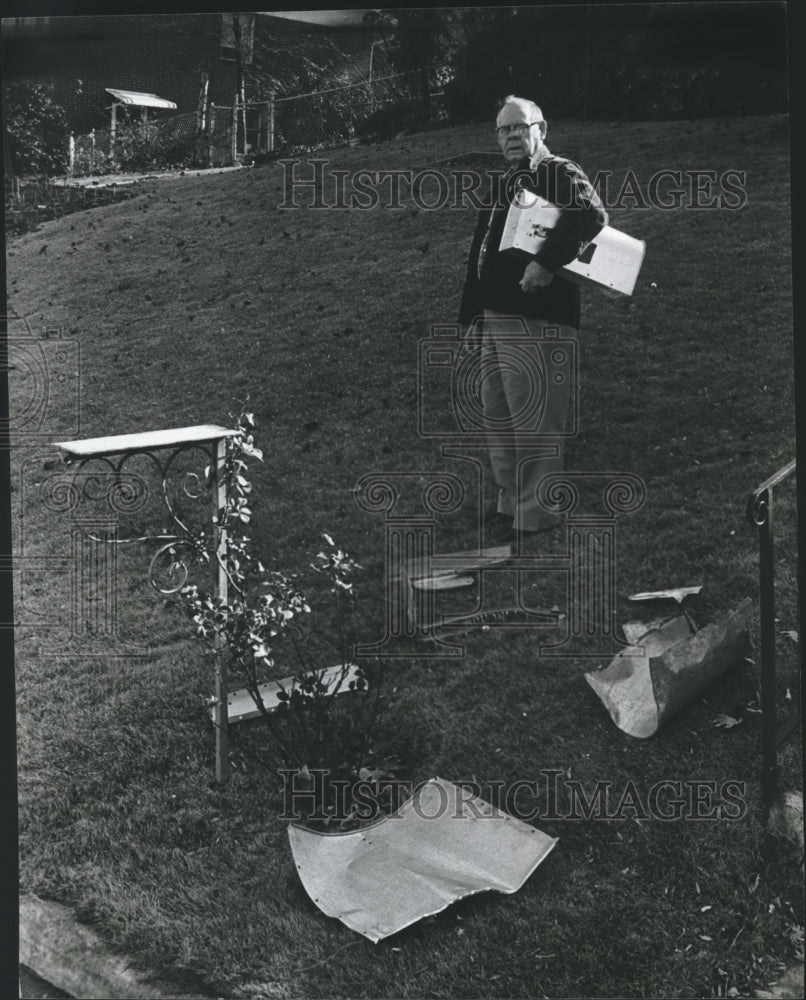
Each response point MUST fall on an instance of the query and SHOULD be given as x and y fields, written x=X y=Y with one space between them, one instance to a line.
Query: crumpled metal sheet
x=450 y=581
x=434 y=850
x=454 y=566
x=641 y=692
x=635 y=631
x=241 y=705
x=678 y=594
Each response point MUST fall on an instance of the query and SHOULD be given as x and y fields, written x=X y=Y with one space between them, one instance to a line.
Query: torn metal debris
x=447 y=581
x=678 y=594
x=241 y=705
x=454 y=562
x=510 y=616
x=440 y=846
x=634 y=631
x=449 y=570
x=647 y=683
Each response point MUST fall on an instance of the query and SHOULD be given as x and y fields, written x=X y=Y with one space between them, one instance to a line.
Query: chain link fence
x=32 y=200
x=134 y=146
x=372 y=109
x=232 y=132
x=368 y=110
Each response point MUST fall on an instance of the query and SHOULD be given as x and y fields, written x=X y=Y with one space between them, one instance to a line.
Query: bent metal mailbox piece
x=611 y=261
x=440 y=846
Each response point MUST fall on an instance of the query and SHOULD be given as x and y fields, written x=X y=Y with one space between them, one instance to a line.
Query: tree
x=421 y=38
x=36 y=128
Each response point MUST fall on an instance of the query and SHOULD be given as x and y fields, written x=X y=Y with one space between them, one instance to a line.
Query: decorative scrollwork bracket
x=100 y=477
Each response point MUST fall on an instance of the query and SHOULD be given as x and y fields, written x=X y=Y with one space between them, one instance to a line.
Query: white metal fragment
x=634 y=631
x=463 y=562
x=241 y=705
x=676 y=594
x=645 y=685
x=442 y=845
x=448 y=581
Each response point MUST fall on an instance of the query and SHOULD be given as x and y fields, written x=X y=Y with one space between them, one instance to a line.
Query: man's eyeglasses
x=520 y=129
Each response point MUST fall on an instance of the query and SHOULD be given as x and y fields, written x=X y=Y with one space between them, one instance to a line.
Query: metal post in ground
x=211 y=131
x=201 y=119
x=760 y=510
x=766 y=552
x=221 y=686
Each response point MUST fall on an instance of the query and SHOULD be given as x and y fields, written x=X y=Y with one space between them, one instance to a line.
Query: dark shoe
x=531 y=541
x=534 y=532
x=499 y=531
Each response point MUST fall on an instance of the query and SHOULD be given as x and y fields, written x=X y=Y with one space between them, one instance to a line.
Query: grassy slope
x=200 y=292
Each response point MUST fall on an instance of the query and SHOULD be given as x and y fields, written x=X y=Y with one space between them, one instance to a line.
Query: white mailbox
x=611 y=261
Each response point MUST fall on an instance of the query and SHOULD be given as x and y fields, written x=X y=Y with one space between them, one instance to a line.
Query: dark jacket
x=564 y=184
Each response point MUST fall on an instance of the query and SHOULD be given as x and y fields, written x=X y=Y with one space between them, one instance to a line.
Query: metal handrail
x=760 y=513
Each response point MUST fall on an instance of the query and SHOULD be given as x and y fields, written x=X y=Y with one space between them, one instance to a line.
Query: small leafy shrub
x=386 y=123
x=36 y=128
x=264 y=631
x=136 y=146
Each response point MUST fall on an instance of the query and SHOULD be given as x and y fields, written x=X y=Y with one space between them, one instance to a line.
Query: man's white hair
x=527 y=106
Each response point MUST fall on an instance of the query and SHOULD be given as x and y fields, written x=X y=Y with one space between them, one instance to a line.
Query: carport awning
x=139 y=100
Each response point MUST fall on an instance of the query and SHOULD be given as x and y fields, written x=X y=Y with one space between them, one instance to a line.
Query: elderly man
x=525 y=397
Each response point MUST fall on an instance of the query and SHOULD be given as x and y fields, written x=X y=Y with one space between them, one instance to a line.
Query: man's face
x=518 y=143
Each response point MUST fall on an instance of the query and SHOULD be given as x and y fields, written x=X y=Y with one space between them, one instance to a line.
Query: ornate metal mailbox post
x=163 y=448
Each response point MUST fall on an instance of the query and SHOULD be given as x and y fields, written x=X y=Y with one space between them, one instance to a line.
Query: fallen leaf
x=795 y=934
x=790 y=634
x=726 y=721
x=371 y=774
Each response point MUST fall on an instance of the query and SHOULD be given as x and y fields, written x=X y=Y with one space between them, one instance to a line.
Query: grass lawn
x=200 y=292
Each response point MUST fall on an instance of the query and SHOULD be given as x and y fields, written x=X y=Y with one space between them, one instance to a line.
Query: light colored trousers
x=528 y=368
